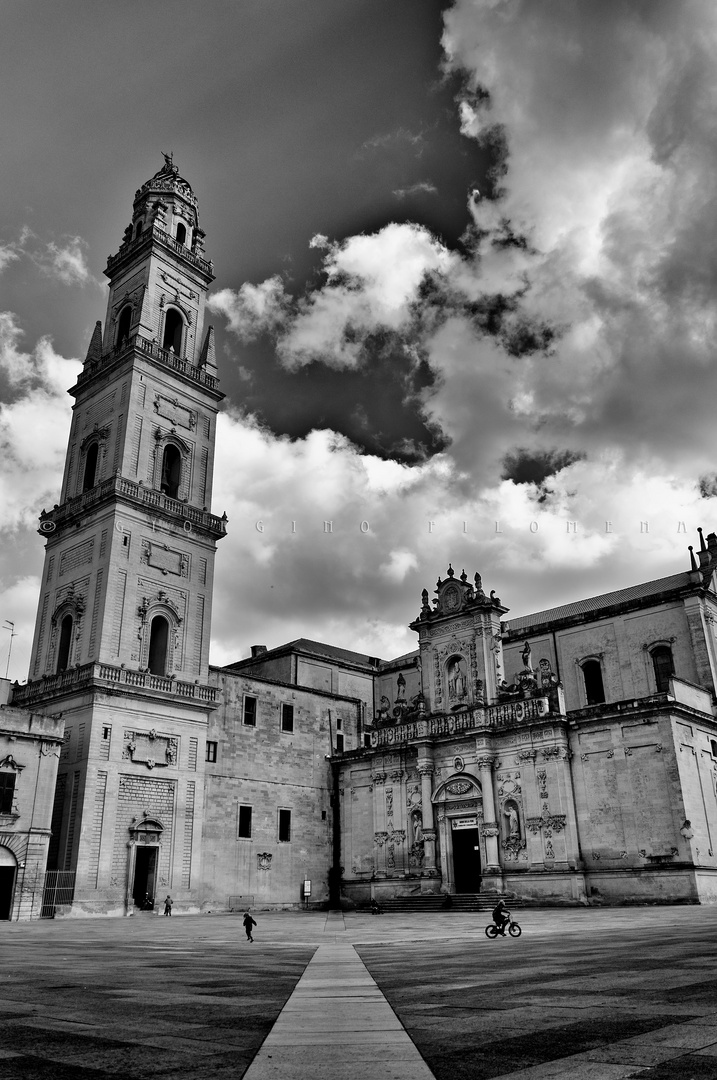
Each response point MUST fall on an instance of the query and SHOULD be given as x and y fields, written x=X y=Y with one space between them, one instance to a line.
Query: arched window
x=138 y=230
x=123 y=324
x=664 y=666
x=594 y=690
x=63 y=653
x=158 y=641
x=91 y=466
x=182 y=233
x=173 y=324
x=171 y=471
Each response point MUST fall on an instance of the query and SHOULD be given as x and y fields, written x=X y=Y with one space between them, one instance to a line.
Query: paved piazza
x=600 y=994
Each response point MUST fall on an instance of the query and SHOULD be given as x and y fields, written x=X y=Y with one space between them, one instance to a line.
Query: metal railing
x=58 y=891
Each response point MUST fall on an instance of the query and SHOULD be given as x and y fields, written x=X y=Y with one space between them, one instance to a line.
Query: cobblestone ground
x=582 y=994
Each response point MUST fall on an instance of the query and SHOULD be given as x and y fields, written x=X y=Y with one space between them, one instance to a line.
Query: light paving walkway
x=337 y=1023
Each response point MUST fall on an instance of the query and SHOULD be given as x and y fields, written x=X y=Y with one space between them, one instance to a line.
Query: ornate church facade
x=567 y=756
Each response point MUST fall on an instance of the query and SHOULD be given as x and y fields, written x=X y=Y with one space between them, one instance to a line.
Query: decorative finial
x=450 y=571
x=464 y=576
x=168 y=158
x=693 y=561
x=703 y=546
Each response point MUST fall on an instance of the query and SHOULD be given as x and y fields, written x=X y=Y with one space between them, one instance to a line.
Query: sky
x=465 y=300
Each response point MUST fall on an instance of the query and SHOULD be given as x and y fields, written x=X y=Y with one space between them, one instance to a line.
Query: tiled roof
x=600 y=603
x=316 y=648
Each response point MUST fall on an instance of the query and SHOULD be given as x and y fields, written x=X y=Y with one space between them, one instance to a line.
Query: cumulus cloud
x=570 y=337
x=64 y=261
x=67 y=262
x=32 y=466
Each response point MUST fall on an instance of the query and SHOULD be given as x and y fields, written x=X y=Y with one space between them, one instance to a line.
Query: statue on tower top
x=169 y=166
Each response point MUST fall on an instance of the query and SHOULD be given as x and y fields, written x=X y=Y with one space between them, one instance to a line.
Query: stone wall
x=269 y=770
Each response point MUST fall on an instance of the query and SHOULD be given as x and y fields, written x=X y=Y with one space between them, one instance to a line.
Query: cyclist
x=501 y=916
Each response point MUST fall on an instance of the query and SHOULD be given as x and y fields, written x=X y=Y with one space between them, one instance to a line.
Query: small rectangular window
x=106 y=732
x=366 y=739
x=284 y=826
x=339 y=723
x=245 y=822
x=287 y=717
x=249 y=711
x=211 y=754
x=7 y=790
x=339 y=743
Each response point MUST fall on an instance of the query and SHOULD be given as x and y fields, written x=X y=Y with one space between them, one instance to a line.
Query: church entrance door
x=466 y=858
x=145 y=875
x=8 y=870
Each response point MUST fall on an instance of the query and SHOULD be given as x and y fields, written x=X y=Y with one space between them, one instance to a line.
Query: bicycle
x=492 y=931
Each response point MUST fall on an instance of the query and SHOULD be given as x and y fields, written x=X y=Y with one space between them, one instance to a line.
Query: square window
x=211 y=754
x=284 y=826
x=287 y=717
x=245 y=822
x=7 y=790
x=249 y=711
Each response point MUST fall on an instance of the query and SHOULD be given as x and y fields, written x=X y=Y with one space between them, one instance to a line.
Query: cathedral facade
x=567 y=756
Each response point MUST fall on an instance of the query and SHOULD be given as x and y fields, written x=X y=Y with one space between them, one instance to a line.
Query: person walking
x=248 y=923
x=168 y=906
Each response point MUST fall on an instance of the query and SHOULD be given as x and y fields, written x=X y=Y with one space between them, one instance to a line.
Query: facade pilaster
x=425 y=771
x=490 y=825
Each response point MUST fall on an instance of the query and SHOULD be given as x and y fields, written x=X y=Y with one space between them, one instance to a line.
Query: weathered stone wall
x=268 y=769
x=29 y=751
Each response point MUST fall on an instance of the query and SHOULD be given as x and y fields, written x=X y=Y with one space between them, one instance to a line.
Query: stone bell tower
x=122 y=636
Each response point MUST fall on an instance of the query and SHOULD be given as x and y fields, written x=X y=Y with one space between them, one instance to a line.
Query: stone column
x=425 y=769
x=490 y=825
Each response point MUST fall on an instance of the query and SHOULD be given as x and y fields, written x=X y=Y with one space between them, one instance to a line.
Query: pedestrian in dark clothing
x=168 y=906
x=248 y=923
x=501 y=916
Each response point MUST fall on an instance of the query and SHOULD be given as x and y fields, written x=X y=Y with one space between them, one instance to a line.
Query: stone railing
x=140 y=495
x=153 y=350
x=98 y=674
x=155 y=233
x=524 y=711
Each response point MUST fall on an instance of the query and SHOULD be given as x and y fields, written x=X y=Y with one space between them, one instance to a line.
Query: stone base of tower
x=128 y=804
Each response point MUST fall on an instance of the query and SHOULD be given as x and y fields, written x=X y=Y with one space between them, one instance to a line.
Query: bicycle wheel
x=515 y=930
x=491 y=931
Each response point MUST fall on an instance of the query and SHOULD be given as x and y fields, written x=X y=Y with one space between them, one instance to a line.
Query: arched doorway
x=63 y=652
x=145 y=840
x=158 y=642
x=458 y=805
x=8 y=873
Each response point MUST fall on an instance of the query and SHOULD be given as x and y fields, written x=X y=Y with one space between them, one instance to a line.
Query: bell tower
x=121 y=642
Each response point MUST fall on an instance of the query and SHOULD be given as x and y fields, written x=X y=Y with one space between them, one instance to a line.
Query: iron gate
x=59 y=890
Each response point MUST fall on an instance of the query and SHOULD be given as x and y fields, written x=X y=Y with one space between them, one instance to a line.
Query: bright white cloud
x=67 y=262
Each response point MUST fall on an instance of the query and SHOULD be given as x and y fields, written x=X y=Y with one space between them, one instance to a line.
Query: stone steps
x=434 y=902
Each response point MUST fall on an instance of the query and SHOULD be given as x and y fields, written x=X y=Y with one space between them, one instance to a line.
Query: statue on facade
x=457 y=681
x=513 y=823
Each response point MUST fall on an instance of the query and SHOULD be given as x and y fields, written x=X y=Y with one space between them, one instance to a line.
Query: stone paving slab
x=354 y=1026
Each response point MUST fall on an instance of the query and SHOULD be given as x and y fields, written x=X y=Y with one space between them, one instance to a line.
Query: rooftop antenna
x=9 y=625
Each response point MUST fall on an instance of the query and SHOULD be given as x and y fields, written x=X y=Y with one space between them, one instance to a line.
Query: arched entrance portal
x=143 y=877
x=459 y=813
x=8 y=874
